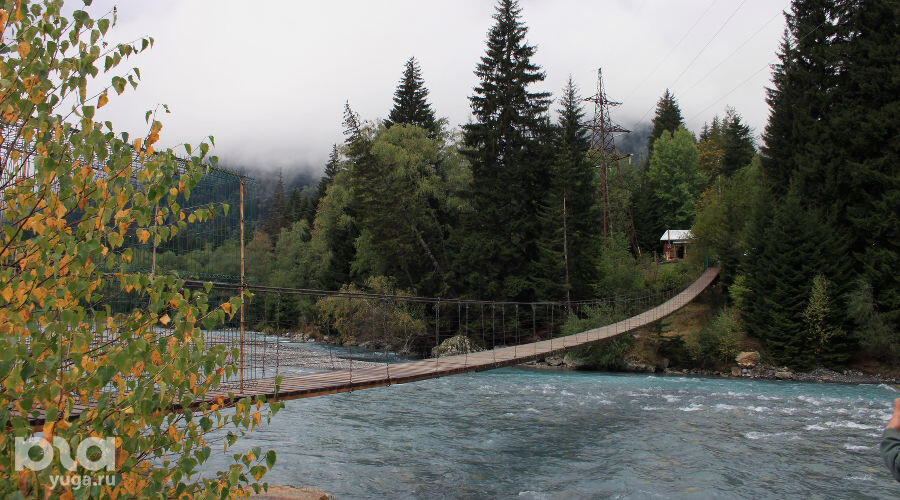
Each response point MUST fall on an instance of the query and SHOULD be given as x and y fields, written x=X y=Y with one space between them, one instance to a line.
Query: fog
x=269 y=79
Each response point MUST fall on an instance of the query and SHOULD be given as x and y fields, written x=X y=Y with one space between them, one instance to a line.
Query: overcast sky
x=269 y=78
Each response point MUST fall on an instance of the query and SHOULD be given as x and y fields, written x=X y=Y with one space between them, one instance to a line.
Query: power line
x=702 y=78
x=768 y=65
x=708 y=42
x=727 y=20
x=671 y=51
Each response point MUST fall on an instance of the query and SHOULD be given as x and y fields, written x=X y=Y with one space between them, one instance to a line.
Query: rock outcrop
x=747 y=359
x=458 y=344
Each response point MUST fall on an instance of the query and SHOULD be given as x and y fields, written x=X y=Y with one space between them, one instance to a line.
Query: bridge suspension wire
x=369 y=341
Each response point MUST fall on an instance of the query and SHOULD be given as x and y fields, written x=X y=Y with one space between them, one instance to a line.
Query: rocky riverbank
x=756 y=371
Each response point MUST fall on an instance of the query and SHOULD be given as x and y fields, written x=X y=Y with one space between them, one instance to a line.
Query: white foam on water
x=671 y=399
x=532 y=410
x=566 y=393
x=759 y=409
x=731 y=394
x=888 y=387
x=692 y=407
x=851 y=425
x=788 y=436
x=853 y=447
x=537 y=495
x=651 y=408
x=722 y=406
x=820 y=400
x=816 y=427
x=864 y=477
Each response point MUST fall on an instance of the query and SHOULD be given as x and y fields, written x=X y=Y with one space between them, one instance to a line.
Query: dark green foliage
x=410 y=101
x=331 y=170
x=718 y=342
x=608 y=354
x=674 y=349
x=570 y=243
x=668 y=118
x=722 y=224
x=788 y=249
x=277 y=215
x=833 y=135
x=737 y=143
x=506 y=146
x=869 y=328
x=675 y=180
x=726 y=146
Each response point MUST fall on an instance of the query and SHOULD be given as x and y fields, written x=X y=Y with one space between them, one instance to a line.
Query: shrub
x=71 y=195
x=719 y=341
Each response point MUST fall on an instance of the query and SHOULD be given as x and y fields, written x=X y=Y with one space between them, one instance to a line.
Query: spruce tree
x=410 y=100
x=506 y=146
x=331 y=170
x=570 y=245
x=832 y=133
x=791 y=246
x=668 y=118
x=737 y=143
x=864 y=130
x=277 y=213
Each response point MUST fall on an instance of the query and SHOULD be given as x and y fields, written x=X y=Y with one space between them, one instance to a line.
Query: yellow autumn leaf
x=258 y=473
x=226 y=306
x=173 y=191
x=102 y=100
x=143 y=235
x=155 y=358
x=165 y=319
x=7 y=293
x=24 y=48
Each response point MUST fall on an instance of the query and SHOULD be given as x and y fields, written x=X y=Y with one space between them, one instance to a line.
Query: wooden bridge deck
x=318 y=384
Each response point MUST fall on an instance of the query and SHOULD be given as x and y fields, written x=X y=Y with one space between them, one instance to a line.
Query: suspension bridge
x=345 y=380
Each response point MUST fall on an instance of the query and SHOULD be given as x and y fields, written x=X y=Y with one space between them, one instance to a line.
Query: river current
x=536 y=434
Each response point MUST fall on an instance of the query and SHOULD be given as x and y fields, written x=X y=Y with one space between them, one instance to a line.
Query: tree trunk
x=566 y=248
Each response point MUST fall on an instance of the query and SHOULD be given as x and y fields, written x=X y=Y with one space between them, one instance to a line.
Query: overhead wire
x=767 y=66
x=699 y=53
x=671 y=51
x=733 y=52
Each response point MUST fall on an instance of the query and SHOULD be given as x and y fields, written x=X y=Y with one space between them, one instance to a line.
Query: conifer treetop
x=410 y=100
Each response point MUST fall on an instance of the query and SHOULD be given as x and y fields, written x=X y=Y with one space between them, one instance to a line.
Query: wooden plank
x=320 y=384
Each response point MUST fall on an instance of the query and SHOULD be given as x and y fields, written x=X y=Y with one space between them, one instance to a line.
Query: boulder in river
x=457 y=344
x=784 y=375
x=747 y=359
x=555 y=360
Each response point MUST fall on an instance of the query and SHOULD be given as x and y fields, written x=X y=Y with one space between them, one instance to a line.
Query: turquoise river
x=534 y=434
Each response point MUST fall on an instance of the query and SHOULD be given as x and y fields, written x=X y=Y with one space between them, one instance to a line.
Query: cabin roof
x=677 y=235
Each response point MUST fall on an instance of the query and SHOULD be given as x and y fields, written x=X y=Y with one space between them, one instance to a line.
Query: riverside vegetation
x=803 y=225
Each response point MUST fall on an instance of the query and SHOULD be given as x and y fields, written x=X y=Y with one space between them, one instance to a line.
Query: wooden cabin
x=675 y=243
